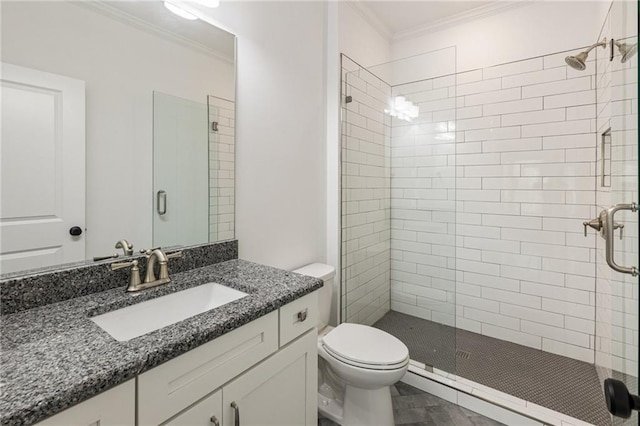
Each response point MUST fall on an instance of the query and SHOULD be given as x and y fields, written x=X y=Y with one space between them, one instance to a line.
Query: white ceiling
x=400 y=16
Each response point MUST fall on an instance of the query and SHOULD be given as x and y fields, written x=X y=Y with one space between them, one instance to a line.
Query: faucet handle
x=111 y=256
x=174 y=255
x=594 y=223
x=134 y=278
x=119 y=265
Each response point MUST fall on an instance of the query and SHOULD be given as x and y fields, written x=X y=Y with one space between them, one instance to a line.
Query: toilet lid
x=365 y=345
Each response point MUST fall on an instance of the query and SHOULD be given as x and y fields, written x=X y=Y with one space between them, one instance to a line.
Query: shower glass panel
x=617 y=293
x=180 y=171
x=221 y=127
x=365 y=195
x=409 y=108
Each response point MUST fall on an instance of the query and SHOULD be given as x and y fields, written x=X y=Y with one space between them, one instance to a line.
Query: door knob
x=620 y=402
x=75 y=231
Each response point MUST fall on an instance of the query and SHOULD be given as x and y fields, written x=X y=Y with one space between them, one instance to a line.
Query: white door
x=42 y=175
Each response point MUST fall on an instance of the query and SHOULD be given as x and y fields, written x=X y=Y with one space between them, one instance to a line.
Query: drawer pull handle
x=236 y=410
x=214 y=421
x=302 y=315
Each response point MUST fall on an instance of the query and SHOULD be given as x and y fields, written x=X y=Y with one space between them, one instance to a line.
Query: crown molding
x=372 y=19
x=461 y=18
x=105 y=9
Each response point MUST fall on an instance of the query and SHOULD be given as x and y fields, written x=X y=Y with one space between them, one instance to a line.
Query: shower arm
x=603 y=43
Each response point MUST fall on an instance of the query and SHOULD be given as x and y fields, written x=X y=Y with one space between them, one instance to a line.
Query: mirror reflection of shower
x=626 y=50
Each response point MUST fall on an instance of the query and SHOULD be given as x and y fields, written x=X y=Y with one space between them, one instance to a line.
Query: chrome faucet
x=126 y=247
x=154 y=255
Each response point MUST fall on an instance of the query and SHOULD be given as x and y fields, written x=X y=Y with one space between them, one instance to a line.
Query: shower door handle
x=161 y=199
x=609 y=228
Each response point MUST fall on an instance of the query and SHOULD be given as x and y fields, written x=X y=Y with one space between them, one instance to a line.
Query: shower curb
x=489 y=402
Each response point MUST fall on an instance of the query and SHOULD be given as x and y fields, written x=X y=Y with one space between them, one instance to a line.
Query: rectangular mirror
x=92 y=95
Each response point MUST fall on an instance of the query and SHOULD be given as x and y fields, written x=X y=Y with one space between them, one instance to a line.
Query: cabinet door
x=167 y=389
x=113 y=407
x=207 y=412
x=279 y=391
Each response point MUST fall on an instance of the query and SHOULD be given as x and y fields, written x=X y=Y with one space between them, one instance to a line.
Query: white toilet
x=357 y=364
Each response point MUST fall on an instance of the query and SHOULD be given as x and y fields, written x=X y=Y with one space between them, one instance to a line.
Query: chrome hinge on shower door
x=606 y=226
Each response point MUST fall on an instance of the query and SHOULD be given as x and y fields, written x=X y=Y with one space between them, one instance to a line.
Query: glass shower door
x=617 y=186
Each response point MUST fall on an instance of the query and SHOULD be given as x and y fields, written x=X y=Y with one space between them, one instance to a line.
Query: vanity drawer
x=298 y=317
x=115 y=407
x=171 y=387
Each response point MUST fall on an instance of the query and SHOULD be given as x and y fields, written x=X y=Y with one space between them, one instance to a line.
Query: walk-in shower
x=462 y=227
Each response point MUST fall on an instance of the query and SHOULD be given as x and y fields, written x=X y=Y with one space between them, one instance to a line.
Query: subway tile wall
x=221 y=169
x=366 y=209
x=489 y=189
x=616 y=293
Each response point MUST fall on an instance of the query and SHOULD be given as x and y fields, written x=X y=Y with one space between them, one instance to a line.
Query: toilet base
x=330 y=408
x=367 y=407
x=361 y=407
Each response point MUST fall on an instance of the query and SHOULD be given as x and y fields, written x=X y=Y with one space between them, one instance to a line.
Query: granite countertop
x=54 y=356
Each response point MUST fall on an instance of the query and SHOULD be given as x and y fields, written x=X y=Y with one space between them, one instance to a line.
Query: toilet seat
x=365 y=347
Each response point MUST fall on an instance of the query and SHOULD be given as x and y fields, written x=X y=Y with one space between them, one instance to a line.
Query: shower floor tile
x=413 y=407
x=556 y=382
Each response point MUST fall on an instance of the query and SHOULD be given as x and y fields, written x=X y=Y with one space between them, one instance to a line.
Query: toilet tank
x=326 y=274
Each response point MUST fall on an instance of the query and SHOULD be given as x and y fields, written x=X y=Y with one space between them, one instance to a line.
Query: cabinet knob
x=214 y=421
x=302 y=315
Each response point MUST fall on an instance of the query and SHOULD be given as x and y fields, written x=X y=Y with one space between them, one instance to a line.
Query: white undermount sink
x=136 y=320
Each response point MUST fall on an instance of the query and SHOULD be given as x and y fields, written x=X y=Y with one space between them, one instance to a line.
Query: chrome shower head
x=626 y=50
x=577 y=62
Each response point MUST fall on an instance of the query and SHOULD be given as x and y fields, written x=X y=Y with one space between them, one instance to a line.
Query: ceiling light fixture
x=180 y=12
x=209 y=3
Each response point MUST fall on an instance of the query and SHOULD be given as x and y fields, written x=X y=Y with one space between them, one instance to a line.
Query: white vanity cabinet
x=166 y=390
x=263 y=373
x=114 y=407
x=250 y=376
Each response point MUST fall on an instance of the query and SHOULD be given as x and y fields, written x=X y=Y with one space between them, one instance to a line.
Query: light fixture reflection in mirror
x=180 y=12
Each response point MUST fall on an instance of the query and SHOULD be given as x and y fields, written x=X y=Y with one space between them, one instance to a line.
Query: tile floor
x=559 y=383
x=413 y=407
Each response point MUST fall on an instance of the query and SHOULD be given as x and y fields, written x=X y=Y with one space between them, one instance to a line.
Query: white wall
x=122 y=66
x=280 y=192
x=358 y=39
x=532 y=29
